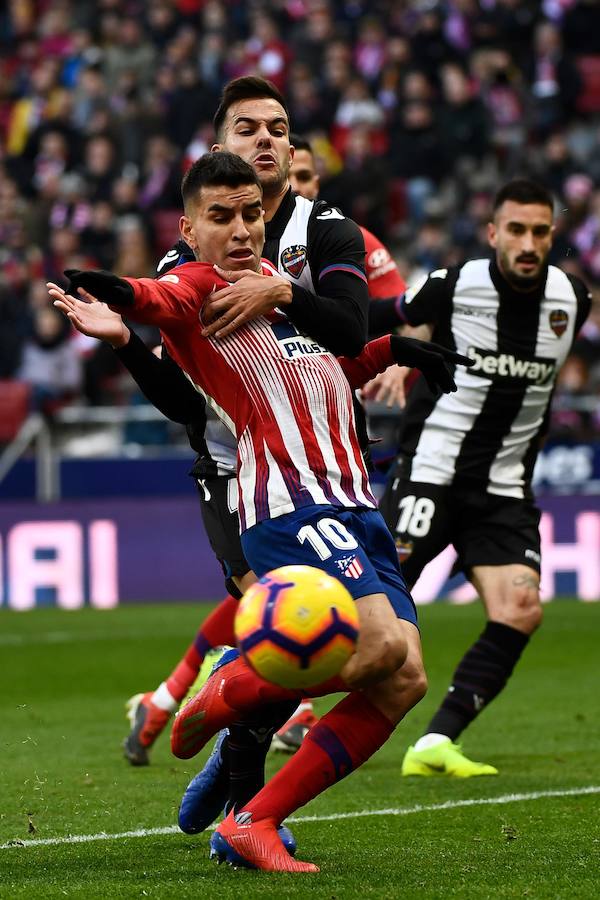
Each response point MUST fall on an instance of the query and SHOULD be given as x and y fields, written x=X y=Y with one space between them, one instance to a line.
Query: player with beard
x=463 y=476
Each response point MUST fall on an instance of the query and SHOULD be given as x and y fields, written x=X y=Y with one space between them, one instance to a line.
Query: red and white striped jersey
x=284 y=396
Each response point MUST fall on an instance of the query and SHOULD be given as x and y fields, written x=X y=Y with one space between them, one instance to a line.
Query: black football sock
x=247 y=747
x=479 y=677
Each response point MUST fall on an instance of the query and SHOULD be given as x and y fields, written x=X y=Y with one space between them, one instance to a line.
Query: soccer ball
x=297 y=626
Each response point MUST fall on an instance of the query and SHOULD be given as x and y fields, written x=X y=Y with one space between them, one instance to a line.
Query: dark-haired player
x=303 y=494
x=463 y=476
x=320 y=254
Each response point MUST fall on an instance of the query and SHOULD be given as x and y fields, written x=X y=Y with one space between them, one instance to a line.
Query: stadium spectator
x=50 y=362
x=451 y=110
x=555 y=81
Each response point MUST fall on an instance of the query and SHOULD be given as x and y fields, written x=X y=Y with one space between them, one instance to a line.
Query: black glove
x=433 y=360
x=102 y=285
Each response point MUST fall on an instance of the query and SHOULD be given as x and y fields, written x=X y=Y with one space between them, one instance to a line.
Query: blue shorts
x=353 y=545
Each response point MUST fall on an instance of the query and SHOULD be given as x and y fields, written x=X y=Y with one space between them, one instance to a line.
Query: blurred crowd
x=417 y=111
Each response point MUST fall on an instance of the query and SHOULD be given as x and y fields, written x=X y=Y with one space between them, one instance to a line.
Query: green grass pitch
x=66 y=676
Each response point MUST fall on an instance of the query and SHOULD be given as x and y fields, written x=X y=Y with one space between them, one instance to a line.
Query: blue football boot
x=206 y=794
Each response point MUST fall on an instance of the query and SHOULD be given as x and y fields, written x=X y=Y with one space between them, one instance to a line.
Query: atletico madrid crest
x=293 y=260
x=350 y=566
x=559 y=320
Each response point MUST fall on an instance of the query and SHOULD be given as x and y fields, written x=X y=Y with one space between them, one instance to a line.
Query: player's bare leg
x=382 y=644
x=381 y=647
x=408 y=685
x=331 y=750
x=512 y=601
x=236 y=690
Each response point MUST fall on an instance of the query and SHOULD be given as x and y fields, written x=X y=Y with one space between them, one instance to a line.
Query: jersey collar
x=276 y=226
x=508 y=292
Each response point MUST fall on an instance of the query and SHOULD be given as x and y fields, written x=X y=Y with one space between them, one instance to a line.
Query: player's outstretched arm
x=433 y=360
x=91 y=317
x=168 y=302
x=161 y=381
x=103 y=286
x=386 y=314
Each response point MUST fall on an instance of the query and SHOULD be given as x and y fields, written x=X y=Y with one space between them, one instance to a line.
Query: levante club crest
x=293 y=260
x=404 y=550
x=559 y=320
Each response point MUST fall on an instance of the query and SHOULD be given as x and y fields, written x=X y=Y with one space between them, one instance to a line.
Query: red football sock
x=245 y=690
x=216 y=629
x=340 y=742
x=182 y=677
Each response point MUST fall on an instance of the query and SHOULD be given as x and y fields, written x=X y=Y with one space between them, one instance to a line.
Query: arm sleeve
x=426 y=302
x=584 y=302
x=162 y=382
x=374 y=358
x=384 y=315
x=337 y=313
x=173 y=300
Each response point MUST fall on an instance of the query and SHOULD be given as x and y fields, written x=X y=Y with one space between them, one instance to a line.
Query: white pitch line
x=357 y=814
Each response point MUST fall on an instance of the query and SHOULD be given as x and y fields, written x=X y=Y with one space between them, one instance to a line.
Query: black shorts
x=484 y=529
x=218 y=505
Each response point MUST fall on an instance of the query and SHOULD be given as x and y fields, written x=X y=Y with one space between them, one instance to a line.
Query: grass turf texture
x=66 y=677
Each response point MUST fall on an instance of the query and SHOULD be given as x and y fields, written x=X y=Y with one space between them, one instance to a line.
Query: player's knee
x=532 y=616
x=417 y=687
x=412 y=682
x=525 y=609
x=376 y=662
x=399 y=693
x=394 y=653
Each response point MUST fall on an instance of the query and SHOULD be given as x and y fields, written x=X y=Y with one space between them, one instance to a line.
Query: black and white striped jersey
x=486 y=435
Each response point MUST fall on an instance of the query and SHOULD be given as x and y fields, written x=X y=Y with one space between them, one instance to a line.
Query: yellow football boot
x=444 y=758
